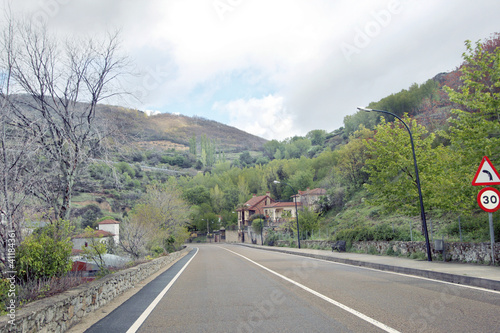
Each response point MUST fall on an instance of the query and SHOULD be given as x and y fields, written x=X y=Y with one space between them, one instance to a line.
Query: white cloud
x=266 y=117
x=190 y=58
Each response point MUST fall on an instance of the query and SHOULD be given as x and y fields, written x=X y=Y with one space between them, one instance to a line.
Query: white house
x=83 y=240
x=113 y=227
x=279 y=212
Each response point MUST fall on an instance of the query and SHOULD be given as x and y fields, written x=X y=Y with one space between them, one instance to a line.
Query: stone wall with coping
x=454 y=251
x=60 y=312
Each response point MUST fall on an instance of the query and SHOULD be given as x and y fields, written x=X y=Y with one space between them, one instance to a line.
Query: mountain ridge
x=177 y=129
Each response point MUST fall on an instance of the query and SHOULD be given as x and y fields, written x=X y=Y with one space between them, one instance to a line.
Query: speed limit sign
x=489 y=199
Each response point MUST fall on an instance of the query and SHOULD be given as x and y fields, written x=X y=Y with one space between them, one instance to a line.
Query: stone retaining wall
x=454 y=251
x=60 y=312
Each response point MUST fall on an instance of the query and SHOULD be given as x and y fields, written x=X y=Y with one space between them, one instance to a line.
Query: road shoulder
x=95 y=316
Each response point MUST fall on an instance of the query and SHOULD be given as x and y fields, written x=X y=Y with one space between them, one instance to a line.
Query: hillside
x=168 y=130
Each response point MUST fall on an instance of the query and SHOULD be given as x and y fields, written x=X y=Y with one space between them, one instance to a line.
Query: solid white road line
x=326 y=298
x=158 y=298
x=394 y=273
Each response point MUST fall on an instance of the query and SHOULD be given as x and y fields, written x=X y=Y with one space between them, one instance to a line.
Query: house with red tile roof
x=310 y=198
x=253 y=206
x=279 y=212
x=276 y=213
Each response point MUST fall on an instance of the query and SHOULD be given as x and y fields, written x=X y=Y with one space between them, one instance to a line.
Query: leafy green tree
x=352 y=158
x=334 y=199
x=208 y=148
x=96 y=250
x=197 y=195
x=217 y=198
x=231 y=198
x=192 y=145
x=323 y=163
x=261 y=160
x=45 y=253
x=391 y=169
x=308 y=221
x=229 y=218
x=246 y=159
x=475 y=124
x=297 y=147
x=302 y=179
x=91 y=214
x=243 y=191
x=475 y=129
x=279 y=154
x=270 y=148
x=353 y=122
x=317 y=137
x=449 y=184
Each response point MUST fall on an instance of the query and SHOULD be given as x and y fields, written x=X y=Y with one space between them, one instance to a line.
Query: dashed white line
x=326 y=298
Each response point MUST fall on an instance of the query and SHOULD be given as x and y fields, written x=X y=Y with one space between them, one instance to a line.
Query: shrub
x=45 y=253
x=418 y=255
x=380 y=232
x=90 y=214
x=169 y=244
x=271 y=238
x=4 y=294
x=390 y=251
x=157 y=251
x=372 y=250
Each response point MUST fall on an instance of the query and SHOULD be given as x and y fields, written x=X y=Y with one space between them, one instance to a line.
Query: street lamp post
x=422 y=211
x=296 y=213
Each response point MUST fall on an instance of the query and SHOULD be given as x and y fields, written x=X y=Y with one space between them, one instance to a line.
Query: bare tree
x=58 y=86
x=18 y=168
x=134 y=237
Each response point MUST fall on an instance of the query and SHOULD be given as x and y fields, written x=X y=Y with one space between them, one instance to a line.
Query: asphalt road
x=229 y=288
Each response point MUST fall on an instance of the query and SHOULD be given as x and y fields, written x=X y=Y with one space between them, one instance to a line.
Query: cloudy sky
x=275 y=68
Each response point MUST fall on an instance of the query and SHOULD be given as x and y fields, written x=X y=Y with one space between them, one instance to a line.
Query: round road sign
x=489 y=199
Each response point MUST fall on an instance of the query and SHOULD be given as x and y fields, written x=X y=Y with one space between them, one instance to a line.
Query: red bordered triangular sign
x=486 y=174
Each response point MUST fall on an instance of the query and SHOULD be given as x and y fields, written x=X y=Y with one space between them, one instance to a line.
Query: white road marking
x=326 y=298
x=135 y=326
x=390 y=272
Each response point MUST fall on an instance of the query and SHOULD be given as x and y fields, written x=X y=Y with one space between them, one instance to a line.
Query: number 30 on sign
x=489 y=199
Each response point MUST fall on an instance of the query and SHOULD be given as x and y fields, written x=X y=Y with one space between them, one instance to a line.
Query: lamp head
x=360 y=108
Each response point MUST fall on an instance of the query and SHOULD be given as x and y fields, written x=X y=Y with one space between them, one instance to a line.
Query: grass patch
x=418 y=255
x=82 y=197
